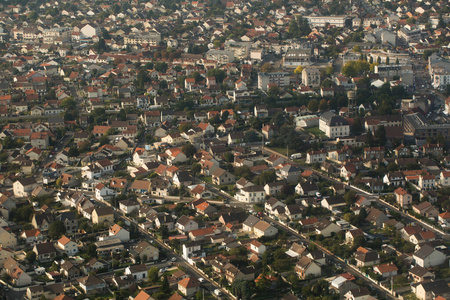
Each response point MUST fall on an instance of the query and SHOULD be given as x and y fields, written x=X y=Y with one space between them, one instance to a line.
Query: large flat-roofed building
x=221 y=56
x=416 y=127
x=152 y=38
x=279 y=78
x=333 y=21
x=439 y=69
x=297 y=57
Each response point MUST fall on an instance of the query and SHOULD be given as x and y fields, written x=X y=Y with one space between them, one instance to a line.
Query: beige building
x=101 y=215
x=7 y=239
x=145 y=251
x=24 y=186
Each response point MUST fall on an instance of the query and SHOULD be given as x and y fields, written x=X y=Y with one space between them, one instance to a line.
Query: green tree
x=104 y=140
x=266 y=67
x=380 y=135
x=323 y=105
x=196 y=168
x=165 y=287
x=189 y=150
x=313 y=105
x=357 y=48
x=31 y=256
x=153 y=274
x=56 y=229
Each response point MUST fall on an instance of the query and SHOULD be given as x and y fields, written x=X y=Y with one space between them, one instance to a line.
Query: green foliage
x=299 y=28
x=189 y=150
x=22 y=214
x=153 y=274
x=31 y=256
x=56 y=229
x=354 y=68
x=266 y=177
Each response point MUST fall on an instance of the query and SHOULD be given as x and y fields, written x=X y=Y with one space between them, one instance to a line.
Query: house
x=313 y=157
x=274 y=188
x=288 y=172
x=192 y=249
x=427 y=182
x=426 y=209
x=402 y=197
x=333 y=125
x=427 y=257
x=144 y=296
x=102 y=215
x=102 y=192
x=418 y=274
x=348 y=171
x=189 y=286
x=351 y=235
x=366 y=257
x=17 y=273
x=145 y=251
x=249 y=224
x=24 y=186
x=138 y=272
x=257 y=247
x=274 y=160
x=374 y=153
x=201 y=234
x=221 y=177
x=262 y=228
x=444 y=218
x=431 y=290
x=118 y=232
x=69 y=220
x=386 y=270
x=91 y=285
x=394 y=179
x=129 y=206
x=251 y=194
x=327 y=228
x=306 y=267
x=271 y=204
x=42 y=221
x=7 y=239
x=67 y=245
x=32 y=236
x=306 y=189
x=69 y=270
x=376 y=217
x=52 y=291
x=332 y=203
x=186 y=224
x=360 y=293
x=45 y=252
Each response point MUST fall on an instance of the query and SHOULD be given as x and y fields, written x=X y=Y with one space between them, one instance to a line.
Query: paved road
x=336 y=260
x=371 y=197
x=169 y=253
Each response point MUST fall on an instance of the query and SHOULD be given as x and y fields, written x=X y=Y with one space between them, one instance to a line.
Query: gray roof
x=251 y=221
x=424 y=251
x=331 y=119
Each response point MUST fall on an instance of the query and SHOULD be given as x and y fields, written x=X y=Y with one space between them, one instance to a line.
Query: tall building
x=351 y=95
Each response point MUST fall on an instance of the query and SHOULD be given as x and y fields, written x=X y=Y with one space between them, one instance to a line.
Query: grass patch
x=316 y=132
x=281 y=150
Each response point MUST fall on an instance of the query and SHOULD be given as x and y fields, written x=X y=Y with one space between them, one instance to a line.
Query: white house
x=103 y=192
x=427 y=257
x=262 y=228
x=333 y=125
x=67 y=245
x=128 y=206
x=186 y=224
x=89 y=31
x=139 y=272
x=117 y=232
x=251 y=194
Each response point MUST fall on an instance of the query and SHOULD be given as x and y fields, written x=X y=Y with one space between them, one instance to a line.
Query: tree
x=189 y=150
x=251 y=136
x=387 y=60
x=323 y=105
x=104 y=140
x=313 y=105
x=350 y=197
x=380 y=135
x=357 y=48
x=267 y=67
x=56 y=229
x=153 y=275
x=298 y=70
x=165 y=287
x=196 y=168
x=31 y=256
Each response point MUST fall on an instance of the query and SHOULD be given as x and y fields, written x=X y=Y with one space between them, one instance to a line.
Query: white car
x=318 y=195
x=201 y=279
x=173 y=259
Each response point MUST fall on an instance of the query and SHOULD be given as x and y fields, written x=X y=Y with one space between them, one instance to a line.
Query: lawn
x=316 y=132
x=279 y=149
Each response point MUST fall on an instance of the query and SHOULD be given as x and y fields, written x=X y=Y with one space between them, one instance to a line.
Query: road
x=170 y=253
x=372 y=197
x=336 y=260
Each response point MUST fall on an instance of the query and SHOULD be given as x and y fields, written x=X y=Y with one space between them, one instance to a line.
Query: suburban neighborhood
x=224 y=150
